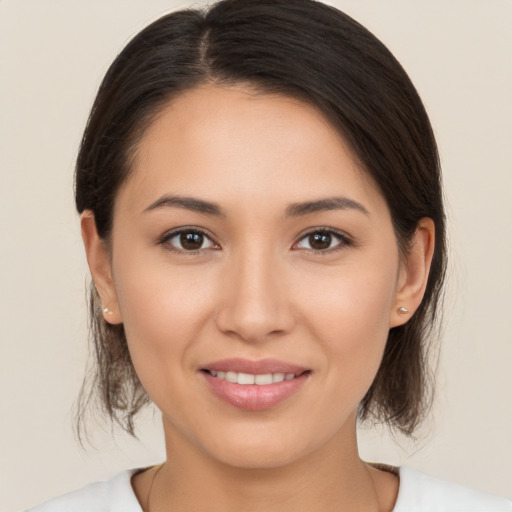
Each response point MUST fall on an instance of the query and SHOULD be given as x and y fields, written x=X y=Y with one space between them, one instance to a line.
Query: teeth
x=263 y=379
x=245 y=378
x=249 y=378
x=231 y=376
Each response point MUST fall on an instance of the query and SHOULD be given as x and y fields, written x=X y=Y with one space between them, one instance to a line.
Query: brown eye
x=320 y=241
x=323 y=241
x=189 y=240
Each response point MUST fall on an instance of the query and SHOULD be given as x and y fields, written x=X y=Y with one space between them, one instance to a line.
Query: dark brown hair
x=299 y=48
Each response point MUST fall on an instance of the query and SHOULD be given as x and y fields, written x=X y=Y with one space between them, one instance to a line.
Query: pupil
x=191 y=241
x=320 y=240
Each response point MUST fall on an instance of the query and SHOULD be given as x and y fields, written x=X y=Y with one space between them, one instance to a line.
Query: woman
x=262 y=215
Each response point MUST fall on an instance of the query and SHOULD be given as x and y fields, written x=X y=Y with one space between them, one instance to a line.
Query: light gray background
x=53 y=56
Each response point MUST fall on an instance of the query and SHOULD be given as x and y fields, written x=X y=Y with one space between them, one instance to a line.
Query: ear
x=98 y=258
x=414 y=272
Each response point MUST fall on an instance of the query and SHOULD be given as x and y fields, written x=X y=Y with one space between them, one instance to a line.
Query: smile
x=262 y=379
x=254 y=385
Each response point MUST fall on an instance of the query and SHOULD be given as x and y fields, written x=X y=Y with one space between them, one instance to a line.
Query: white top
x=417 y=493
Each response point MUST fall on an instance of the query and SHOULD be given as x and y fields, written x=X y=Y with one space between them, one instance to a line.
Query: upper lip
x=259 y=367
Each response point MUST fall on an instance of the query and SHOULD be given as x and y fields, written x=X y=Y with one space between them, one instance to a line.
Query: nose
x=254 y=303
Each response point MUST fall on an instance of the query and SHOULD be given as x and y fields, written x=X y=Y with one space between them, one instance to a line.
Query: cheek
x=163 y=309
x=348 y=313
x=351 y=301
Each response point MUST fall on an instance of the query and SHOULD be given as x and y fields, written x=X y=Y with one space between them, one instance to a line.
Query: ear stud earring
x=403 y=310
x=107 y=311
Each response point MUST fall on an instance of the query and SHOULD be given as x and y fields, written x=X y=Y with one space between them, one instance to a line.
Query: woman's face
x=248 y=246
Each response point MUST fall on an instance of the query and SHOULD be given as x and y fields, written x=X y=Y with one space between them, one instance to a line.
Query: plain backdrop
x=53 y=56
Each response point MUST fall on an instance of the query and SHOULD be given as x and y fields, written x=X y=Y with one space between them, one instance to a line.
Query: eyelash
x=164 y=241
x=343 y=240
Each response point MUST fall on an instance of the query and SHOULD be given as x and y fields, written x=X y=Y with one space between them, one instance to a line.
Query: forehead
x=214 y=141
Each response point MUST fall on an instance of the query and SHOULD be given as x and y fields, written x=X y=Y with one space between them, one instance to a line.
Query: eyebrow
x=293 y=210
x=323 y=205
x=188 y=203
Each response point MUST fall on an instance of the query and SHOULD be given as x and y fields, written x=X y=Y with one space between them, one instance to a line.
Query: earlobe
x=414 y=273
x=98 y=259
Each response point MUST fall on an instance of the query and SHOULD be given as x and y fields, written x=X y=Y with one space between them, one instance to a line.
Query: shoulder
x=114 y=495
x=423 y=493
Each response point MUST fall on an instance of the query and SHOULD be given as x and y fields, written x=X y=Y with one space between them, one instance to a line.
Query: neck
x=332 y=478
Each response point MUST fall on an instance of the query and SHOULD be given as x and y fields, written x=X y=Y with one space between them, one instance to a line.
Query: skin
x=256 y=289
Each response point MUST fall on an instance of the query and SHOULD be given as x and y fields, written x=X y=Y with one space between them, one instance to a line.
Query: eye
x=323 y=240
x=188 y=240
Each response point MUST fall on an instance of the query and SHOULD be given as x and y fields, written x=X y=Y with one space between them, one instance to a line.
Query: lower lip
x=253 y=397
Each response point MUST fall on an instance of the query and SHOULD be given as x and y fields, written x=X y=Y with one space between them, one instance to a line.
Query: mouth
x=259 y=379
x=254 y=385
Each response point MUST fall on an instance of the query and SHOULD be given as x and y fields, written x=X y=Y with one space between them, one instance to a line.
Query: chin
x=248 y=450
x=259 y=457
